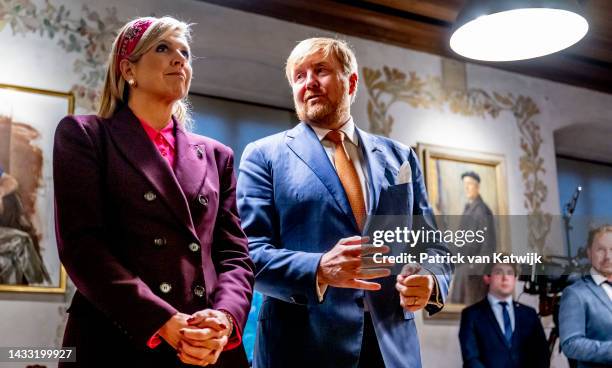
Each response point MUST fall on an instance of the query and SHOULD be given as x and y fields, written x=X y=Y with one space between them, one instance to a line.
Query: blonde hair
x=116 y=91
x=339 y=49
x=594 y=232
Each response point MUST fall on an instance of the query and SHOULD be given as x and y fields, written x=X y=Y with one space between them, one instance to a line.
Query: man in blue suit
x=498 y=332
x=304 y=196
x=585 y=316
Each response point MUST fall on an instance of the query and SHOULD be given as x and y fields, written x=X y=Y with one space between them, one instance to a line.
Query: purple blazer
x=141 y=242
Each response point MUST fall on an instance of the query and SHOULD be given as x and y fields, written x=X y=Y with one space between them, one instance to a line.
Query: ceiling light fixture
x=507 y=30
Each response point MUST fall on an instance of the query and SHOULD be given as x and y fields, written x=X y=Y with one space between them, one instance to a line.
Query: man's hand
x=205 y=337
x=345 y=266
x=415 y=286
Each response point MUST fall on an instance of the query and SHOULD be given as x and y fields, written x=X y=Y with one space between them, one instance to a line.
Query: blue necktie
x=507 y=323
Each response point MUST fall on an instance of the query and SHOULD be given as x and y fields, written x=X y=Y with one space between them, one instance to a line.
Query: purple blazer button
x=150 y=196
x=203 y=200
x=165 y=287
x=199 y=291
x=194 y=247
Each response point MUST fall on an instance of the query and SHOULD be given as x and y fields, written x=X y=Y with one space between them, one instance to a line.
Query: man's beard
x=325 y=113
x=318 y=112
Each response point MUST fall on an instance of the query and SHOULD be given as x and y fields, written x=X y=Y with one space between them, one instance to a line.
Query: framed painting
x=29 y=260
x=467 y=190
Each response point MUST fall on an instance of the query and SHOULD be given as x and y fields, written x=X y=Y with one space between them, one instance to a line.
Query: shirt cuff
x=154 y=341
x=321 y=289
x=435 y=299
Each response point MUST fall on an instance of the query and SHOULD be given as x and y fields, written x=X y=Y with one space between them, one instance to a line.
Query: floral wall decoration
x=389 y=86
x=88 y=35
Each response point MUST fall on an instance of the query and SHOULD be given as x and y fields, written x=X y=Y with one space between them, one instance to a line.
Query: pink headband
x=129 y=39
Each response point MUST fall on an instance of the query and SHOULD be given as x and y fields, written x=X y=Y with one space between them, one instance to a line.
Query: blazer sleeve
x=424 y=218
x=230 y=255
x=284 y=274
x=572 y=328
x=84 y=242
x=467 y=339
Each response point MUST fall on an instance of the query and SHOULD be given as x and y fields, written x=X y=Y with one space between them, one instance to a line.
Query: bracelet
x=231 y=321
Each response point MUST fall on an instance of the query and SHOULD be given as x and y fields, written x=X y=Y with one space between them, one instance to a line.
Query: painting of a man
x=467 y=287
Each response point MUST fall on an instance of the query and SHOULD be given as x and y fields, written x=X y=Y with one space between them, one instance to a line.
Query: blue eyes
x=318 y=71
x=164 y=48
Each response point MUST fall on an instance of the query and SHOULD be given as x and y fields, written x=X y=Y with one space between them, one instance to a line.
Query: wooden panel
x=593 y=47
x=445 y=10
x=567 y=69
x=347 y=19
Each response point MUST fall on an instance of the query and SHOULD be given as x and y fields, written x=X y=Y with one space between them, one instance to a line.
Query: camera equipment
x=548 y=279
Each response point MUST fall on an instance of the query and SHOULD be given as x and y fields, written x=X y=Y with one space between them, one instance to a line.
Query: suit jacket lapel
x=131 y=139
x=376 y=165
x=599 y=292
x=303 y=141
x=190 y=164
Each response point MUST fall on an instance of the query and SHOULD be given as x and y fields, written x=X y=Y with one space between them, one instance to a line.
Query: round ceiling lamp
x=508 y=30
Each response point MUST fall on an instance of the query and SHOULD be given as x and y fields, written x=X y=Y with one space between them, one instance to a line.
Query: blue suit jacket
x=483 y=344
x=585 y=324
x=293 y=209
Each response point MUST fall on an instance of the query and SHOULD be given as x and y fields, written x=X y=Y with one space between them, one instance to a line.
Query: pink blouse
x=164 y=140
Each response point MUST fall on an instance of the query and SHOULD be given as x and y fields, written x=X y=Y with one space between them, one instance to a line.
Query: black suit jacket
x=483 y=344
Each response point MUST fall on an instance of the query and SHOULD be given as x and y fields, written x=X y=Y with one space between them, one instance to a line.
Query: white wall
x=244 y=56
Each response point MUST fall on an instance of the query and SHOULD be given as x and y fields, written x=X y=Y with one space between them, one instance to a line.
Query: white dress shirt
x=600 y=280
x=498 y=310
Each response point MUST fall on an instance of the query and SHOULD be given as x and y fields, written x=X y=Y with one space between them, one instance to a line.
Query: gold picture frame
x=29 y=257
x=443 y=168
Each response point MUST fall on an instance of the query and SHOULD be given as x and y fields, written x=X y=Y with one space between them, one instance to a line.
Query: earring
x=132 y=83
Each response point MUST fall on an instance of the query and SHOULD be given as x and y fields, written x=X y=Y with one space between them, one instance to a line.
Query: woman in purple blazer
x=146 y=217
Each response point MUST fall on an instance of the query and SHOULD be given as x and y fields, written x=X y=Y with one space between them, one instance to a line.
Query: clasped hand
x=198 y=339
x=415 y=286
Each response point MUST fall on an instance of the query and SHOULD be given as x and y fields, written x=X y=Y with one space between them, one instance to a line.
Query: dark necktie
x=507 y=323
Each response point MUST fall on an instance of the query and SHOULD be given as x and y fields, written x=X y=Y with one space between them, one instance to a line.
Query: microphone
x=571 y=205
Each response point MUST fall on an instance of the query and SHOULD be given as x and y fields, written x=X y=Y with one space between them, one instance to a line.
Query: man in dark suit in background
x=498 y=332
